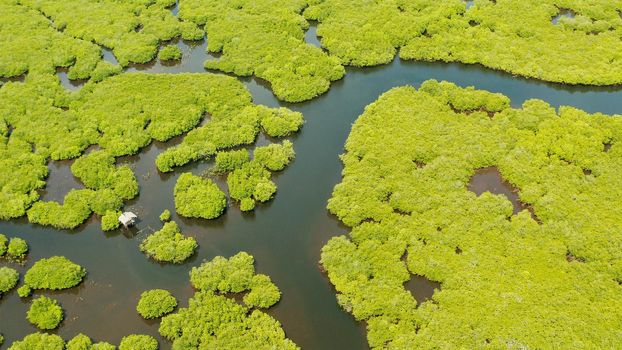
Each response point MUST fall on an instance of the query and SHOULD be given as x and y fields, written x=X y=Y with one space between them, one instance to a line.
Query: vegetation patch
x=196 y=197
x=4 y=242
x=54 y=273
x=579 y=50
x=165 y=216
x=40 y=121
x=239 y=326
x=265 y=38
x=83 y=342
x=505 y=278
x=39 y=341
x=45 y=313
x=138 y=342
x=169 y=245
x=170 y=53
x=8 y=279
x=156 y=303
x=132 y=29
x=30 y=43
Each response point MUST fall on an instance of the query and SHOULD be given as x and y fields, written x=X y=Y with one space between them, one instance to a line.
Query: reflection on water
x=60 y=180
x=490 y=180
x=19 y=78
x=469 y=3
x=311 y=35
x=193 y=55
x=421 y=288
x=175 y=8
x=563 y=13
x=109 y=56
x=285 y=236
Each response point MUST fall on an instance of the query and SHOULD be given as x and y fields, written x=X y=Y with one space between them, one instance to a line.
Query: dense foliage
x=45 y=313
x=165 y=216
x=17 y=249
x=170 y=53
x=110 y=220
x=83 y=342
x=156 y=303
x=227 y=161
x=138 y=342
x=106 y=188
x=97 y=171
x=4 y=241
x=216 y=321
x=79 y=342
x=54 y=273
x=517 y=37
x=21 y=174
x=39 y=341
x=8 y=279
x=507 y=281
x=132 y=29
x=169 y=244
x=196 y=197
x=265 y=38
x=274 y=157
x=39 y=121
x=234 y=122
x=30 y=43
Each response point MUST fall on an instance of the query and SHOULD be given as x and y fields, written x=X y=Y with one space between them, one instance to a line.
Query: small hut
x=128 y=218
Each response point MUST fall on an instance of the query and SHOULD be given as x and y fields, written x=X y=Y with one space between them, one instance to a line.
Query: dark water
x=490 y=180
x=285 y=235
x=421 y=288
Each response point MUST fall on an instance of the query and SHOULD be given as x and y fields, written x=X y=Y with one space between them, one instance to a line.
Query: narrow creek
x=285 y=235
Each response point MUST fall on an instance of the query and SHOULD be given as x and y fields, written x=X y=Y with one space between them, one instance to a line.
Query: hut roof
x=127 y=218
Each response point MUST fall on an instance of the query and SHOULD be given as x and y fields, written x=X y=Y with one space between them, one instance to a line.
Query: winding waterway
x=285 y=235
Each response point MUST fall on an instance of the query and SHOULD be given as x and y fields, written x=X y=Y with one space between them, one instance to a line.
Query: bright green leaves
x=138 y=342
x=215 y=319
x=198 y=198
x=45 y=313
x=96 y=170
x=121 y=115
x=250 y=181
x=280 y=122
x=234 y=122
x=265 y=38
x=54 y=273
x=21 y=174
x=228 y=161
x=581 y=50
x=17 y=249
x=37 y=341
x=132 y=29
x=132 y=109
x=169 y=245
x=30 y=43
x=156 y=303
x=8 y=279
x=263 y=293
x=224 y=275
x=170 y=53
x=79 y=342
x=107 y=187
x=505 y=278
x=274 y=157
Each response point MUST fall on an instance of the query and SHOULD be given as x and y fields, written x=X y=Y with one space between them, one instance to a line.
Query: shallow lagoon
x=285 y=235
